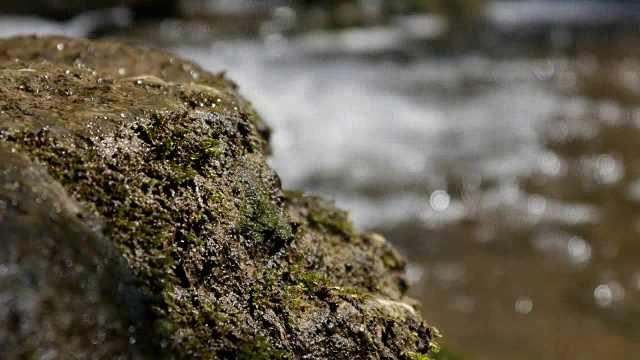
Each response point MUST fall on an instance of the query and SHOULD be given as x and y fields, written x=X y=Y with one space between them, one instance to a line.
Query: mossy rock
x=161 y=170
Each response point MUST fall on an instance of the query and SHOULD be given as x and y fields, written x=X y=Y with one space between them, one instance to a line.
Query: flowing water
x=522 y=244
x=511 y=183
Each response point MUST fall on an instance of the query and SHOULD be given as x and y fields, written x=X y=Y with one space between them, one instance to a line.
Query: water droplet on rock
x=439 y=200
x=524 y=305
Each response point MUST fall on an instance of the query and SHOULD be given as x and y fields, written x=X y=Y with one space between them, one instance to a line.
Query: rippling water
x=512 y=184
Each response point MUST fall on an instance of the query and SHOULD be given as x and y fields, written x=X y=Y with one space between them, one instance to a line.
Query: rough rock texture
x=63 y=290
x=157 y=167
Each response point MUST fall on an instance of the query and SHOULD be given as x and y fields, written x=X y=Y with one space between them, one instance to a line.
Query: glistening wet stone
x=64 y=290
x=161 y=165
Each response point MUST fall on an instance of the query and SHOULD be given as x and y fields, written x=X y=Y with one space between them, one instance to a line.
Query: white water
x=347 y=126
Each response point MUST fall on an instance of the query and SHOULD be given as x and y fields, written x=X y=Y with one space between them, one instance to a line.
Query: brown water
x=559 y=279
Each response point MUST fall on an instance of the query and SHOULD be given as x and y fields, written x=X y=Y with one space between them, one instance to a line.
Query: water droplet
x=550 y=164
x=603 y=296
x=524 y=305
x=439 y=200
x=536 y=204
x=606 y=294
x=579 y=250
x=610 y=170
x=331 y=328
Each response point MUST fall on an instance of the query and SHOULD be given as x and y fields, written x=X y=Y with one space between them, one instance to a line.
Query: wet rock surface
x=123 y=160
x=64 y=291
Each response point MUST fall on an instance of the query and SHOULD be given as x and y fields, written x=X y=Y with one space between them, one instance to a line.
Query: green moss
x=336 y=221
x=314 y=282
x=415 y=356
x=194 y=240
x=217 y=197
x=389 y=260
x=446 y=354
x=211 y=148
x=324 y=217
x=433 y=334
x=259 y=348
x=262 y=216
x=349 y=291
x=263 y=220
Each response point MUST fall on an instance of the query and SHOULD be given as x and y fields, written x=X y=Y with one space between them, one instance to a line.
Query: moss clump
x=263 y=220
x=327 y=219
x=260 y=349
x=233 y=267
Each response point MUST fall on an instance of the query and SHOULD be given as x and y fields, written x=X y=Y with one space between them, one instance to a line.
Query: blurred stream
x=450 y=158
x=512 y=183
x=517 y=246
